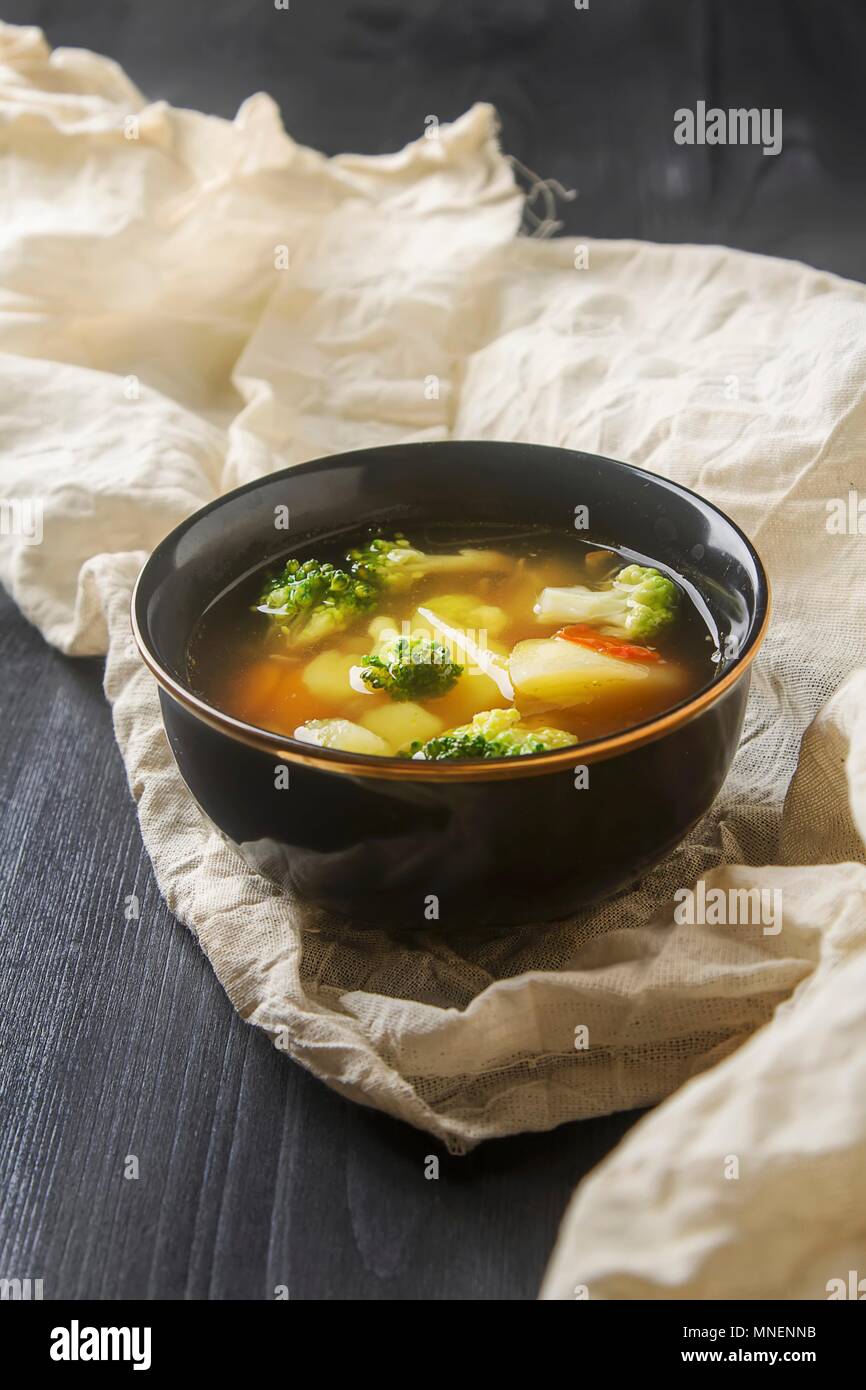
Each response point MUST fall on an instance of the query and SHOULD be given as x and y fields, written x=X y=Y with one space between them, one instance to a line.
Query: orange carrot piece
x=586 y=636
x=258 y=686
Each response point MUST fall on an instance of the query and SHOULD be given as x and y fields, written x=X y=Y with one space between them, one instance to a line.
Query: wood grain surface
x=116 y=1040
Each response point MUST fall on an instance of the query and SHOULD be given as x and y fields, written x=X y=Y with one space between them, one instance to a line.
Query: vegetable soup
x=438 y=645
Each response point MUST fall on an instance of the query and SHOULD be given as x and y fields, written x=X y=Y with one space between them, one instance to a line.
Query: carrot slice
x=586 y=636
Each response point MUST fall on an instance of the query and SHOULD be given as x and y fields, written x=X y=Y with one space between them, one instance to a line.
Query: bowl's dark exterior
x=414 y=854
x=425 y=849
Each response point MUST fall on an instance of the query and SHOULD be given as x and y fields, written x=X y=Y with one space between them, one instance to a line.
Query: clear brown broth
x=238 y=661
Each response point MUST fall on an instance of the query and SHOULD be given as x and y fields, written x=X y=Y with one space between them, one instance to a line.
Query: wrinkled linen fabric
x=187 y=303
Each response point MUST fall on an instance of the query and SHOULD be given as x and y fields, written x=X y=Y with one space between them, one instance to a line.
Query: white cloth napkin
x=187 y=303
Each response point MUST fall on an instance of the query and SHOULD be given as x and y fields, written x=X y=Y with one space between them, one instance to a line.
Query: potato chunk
x=401 y=724
x=465 y=611
x=343 y=734
x=472 y=693
x=327 y=675
x=381 y=627
x=550 y=673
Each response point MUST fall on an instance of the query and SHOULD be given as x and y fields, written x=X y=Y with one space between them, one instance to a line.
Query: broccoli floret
x=312 y=601
x=639 y=602
x=496 y=733
x=652 y=599
x=397 y=565
x=411 y=668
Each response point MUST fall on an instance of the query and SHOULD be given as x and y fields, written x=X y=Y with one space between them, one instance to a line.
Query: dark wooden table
x=116 y=1038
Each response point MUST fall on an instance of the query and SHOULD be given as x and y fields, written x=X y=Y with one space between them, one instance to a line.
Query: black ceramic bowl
x=393 y=842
